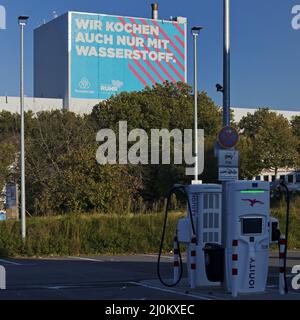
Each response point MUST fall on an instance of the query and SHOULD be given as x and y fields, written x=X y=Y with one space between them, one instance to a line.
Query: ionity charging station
x=227 y=230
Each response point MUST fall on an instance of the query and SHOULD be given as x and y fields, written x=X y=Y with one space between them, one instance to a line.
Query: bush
x=103 y=234
x=294 y=225
x=79 y=234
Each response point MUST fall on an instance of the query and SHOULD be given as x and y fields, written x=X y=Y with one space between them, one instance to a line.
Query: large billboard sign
x=111 y=54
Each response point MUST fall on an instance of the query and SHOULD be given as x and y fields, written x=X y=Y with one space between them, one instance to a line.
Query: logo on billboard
x=114 y=86
x=117 y=83
x=84 y=84
x=253 y=202
x=2 y=18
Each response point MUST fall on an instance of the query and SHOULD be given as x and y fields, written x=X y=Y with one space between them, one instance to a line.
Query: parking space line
x=156 y=256
x=199 y=297
x=10 y=262
x=85 y=259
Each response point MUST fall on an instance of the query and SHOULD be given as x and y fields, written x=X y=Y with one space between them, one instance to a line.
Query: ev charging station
x=228 y=229
x=247 y=242
x=232 y=251
x=206 y=211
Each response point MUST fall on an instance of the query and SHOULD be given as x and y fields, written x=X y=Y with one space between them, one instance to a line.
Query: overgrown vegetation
x=76 y=234
x=279 y=211
x=82 y=234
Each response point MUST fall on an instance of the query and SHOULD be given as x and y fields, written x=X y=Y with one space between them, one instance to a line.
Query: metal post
x=196 y=106
x=226 y=65
x=195 y=33
x=226 y=115
x=22 y=23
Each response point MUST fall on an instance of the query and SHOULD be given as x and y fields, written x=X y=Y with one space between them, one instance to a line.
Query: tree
x=163 y=106
x=7 y=159
x=273 y=144
x=9 y=146
x=249 y=166
x=251 y=124
x=62 y=174
x=295 y=122
x=169 y=106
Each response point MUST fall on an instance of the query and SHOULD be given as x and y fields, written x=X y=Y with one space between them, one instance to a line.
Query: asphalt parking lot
x=114 y=278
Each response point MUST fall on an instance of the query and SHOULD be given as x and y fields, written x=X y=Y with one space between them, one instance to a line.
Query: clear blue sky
x=265 y=48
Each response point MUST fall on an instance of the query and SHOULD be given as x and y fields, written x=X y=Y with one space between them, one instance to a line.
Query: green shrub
x=82 y=234
x=294 y=225
x=78 y=234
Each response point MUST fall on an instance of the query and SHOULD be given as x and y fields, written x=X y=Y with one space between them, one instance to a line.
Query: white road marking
x=10 y=262
x=156 y=256
x=199 y=297
x=85 y=259
x=56 y=287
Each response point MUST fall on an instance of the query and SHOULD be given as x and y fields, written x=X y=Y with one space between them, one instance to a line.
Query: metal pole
x=226 y=117
x=196 y=106
x=226 y=65
x=23 y=217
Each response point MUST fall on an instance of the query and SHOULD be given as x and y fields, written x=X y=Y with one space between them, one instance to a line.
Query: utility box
x=206 y=207
x=247 y=235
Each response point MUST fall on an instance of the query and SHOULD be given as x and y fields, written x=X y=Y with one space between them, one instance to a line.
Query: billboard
x=111 y=54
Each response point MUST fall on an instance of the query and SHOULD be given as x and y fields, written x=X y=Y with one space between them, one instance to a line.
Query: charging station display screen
x=252 y=226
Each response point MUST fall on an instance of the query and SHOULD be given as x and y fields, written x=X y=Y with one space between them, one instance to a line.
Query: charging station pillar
x=206 y=207
x=247 y=227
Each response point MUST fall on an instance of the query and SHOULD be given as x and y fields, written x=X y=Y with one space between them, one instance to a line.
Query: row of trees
x=62 y=174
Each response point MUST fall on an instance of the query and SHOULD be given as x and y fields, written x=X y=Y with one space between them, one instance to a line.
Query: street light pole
x=195 y=33
x=22 y=23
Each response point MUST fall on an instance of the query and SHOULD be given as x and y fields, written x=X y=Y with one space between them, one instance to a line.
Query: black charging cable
x=173 y=190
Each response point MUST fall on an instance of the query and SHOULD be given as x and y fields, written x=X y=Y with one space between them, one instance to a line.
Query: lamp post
x=22 y=23
x=195 y=32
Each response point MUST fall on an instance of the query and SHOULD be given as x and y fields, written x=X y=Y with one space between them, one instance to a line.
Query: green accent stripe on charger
x=252 y=191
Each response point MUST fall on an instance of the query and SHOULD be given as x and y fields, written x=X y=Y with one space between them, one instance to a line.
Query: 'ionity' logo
x=2 y=18
x=296 y=18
